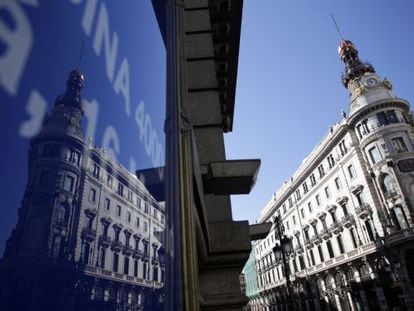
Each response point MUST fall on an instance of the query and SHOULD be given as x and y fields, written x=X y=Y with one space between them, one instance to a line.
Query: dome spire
x=337 y=27
x=66 y=115
x=354 y=67
x=74 y=84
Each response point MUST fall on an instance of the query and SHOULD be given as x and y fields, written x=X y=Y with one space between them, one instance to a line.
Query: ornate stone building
x=89 y=234
x=348 y=209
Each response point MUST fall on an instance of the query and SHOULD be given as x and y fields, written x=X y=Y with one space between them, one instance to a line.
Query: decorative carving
x=387 y=84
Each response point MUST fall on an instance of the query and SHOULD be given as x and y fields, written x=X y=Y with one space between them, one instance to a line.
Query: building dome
x=76 y=79
x=345 y=45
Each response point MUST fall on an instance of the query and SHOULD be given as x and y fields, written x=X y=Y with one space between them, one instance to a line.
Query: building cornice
x=380 y=104
x=309 y=165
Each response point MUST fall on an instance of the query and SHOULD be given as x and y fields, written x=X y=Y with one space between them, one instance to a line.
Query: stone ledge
x=197 y=20
x=230 y=177
x=204 y=108
x=195 y=4
x=201 y=74
x=199 y=45
x=260 y=231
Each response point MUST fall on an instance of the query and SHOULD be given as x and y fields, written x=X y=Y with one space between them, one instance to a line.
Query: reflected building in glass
x=89 y=233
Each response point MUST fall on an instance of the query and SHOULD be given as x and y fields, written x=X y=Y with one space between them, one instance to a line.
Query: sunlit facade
x=348 y=209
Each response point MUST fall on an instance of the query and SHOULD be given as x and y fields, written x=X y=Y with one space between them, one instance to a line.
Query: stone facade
x=215 y=247
x=89 y=233
x=348 y=209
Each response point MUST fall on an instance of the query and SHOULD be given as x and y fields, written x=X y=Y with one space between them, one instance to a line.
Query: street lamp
x=281 y=250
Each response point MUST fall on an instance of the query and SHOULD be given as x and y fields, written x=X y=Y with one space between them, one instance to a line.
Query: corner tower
x=359 y=77
x=383 y=128
x=47 y=213
x=66 y=115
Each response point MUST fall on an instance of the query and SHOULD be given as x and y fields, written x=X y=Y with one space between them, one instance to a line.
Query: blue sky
x=289 y=89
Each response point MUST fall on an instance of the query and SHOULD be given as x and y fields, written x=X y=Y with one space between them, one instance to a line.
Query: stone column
x=351 y=301
x=338 y=302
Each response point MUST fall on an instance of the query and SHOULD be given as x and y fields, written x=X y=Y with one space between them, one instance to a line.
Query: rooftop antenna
x=337 y=28
x=80 y=54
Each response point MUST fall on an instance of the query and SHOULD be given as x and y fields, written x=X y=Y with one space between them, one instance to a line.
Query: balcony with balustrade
x=316 y=239
x=363 y=211
x=105 y=241
x=145 y=256
x=325 y=233
x=127 y=250
x=347 y=221
x=335 y=228
x=308 y=243
x=137 y=253
x=117 y=246
x=155 y=260
x=392 y=194
x=88 y=234
x=298 y=249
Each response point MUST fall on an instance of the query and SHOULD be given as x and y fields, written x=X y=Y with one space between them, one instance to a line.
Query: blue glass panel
x=82 y=91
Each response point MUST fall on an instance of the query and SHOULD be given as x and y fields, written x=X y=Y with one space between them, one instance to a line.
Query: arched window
x=144 y=270
x=86 y=250
x=56 y=245
x=136 y=267
x=102 y=257
x=126 y=265
x=370 y=231
x=400 y=218
x=387 y=184
x=60 y=214
x=155 y=273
